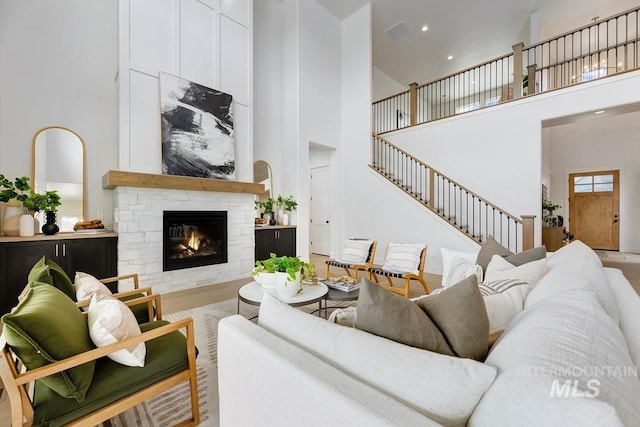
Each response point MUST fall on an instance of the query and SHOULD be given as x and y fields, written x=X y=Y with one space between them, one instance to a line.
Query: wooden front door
x=594 y=208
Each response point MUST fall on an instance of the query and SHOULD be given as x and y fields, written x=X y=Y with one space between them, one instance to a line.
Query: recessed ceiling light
x=425 y=28
x=450 y=57
x=599 y=112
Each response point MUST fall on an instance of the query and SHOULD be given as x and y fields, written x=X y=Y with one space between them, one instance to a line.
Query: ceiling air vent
x=401 y=29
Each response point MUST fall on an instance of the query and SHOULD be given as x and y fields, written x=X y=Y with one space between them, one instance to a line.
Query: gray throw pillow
x=490 y=248
x=524 y=257
x=391 y=316
x=460 y=314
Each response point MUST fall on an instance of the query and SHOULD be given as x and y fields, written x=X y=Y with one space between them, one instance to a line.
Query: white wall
x=384 y=86
x=208 y=42
x=57 y=70
x=606 y=143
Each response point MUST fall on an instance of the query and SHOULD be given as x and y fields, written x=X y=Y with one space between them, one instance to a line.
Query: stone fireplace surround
x=139 y=201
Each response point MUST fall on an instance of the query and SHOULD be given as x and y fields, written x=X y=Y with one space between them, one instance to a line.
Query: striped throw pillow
x=355 y=251
x=504 y=299
x=403 y=257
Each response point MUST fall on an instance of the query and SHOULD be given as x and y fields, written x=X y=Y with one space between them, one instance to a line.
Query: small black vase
x=50 y=227
x=272 y=221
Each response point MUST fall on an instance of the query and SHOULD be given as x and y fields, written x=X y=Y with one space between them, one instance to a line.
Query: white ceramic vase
x=26 y=225
x=285 y=219
x=287 y=288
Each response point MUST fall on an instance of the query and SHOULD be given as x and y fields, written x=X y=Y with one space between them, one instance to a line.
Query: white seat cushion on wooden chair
x=403 y=258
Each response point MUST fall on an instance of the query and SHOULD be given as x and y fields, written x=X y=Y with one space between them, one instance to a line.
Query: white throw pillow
x=444 y=388
x=459 y=270
x=110 y=321
x=448 y=256
x=86 y=286
x=355 y=251
x=504 y=299
x=403 y=258
x=500 y=269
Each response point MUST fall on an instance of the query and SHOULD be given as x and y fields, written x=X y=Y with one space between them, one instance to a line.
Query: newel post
x=527 y=231
x=517 y=70
x=432 y=189
x=413 y=103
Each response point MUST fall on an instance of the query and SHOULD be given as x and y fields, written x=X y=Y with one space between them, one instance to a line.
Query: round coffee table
x=252 y=293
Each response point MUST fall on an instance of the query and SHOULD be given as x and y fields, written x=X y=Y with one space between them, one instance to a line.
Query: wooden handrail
x=386 y=141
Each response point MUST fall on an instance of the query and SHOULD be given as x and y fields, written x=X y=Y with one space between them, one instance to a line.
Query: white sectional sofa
x=570 y=357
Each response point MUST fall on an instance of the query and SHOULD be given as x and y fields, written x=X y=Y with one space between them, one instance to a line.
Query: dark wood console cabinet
x=94 y=254
x=281 y=240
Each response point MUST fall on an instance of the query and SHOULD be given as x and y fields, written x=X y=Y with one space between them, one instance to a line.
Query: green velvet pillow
x=46 y=326
x=460 y=314
x=54 y=276
x=391 y=316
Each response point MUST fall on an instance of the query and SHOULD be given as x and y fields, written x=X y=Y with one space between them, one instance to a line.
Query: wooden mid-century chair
x=352 y=269
x=406 y=276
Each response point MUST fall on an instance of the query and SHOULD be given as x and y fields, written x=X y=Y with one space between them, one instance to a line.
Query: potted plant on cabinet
x=287 y=205
x=47 y=203
x=14 y=194
x=550 y=219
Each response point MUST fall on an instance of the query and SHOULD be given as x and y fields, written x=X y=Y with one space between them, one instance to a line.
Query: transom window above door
x=593 y=183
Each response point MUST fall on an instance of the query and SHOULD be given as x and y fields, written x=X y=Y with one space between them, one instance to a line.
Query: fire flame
x=194 y=242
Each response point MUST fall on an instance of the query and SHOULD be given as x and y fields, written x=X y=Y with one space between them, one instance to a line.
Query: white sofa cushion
x=629 y=308
x=568 y=338
x=264 y=380
x=444 y=388
x=575 y=267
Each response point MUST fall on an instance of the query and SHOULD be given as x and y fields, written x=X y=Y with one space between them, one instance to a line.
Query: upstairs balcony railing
x=601 y=49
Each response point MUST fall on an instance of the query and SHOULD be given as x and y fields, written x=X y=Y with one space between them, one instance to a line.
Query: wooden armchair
x=407 y=277
x=113 y=389
x=352 y=269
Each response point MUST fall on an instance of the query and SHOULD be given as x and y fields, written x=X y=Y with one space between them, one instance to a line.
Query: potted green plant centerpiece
x=288 y=273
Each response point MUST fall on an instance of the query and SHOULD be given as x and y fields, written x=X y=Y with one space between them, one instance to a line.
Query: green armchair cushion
x=46 y=326
x=166 y=356
x=54 y=275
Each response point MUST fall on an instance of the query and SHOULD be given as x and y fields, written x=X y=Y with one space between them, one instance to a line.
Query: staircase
x=464 y=210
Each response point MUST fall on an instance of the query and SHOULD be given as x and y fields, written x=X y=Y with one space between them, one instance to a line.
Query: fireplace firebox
x=194 y=239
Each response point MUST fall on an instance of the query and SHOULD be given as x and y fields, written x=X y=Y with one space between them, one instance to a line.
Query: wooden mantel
x=113 y=179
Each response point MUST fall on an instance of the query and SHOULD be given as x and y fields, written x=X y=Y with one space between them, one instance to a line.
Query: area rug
x=173 y=406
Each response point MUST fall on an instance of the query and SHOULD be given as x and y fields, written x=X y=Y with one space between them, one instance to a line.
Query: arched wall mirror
x=58 y=164
x=262 y=175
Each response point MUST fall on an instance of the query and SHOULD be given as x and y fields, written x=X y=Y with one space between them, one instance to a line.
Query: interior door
x=594 y=208
x=320 y=227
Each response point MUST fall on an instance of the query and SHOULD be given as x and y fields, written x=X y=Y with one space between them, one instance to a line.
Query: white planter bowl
x=287 y=288
x=267 y=280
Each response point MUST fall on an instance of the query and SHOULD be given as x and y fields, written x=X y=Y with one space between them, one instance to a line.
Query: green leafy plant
x=287 y=203
x=267 y=205
x=46 y=202
x=285 y=264
x=21 y=190
x=550 y=219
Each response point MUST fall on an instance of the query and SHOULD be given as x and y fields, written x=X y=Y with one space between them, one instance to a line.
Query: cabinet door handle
x=64 y=249
x=56 y=249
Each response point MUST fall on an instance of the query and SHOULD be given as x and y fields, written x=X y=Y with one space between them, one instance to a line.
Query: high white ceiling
x=471 y=31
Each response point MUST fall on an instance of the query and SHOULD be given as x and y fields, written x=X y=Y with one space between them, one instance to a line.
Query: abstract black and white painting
x=197 y=130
